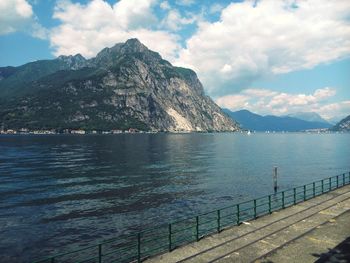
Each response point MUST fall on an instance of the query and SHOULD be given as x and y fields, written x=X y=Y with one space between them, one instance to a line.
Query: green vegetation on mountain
x=126 y=86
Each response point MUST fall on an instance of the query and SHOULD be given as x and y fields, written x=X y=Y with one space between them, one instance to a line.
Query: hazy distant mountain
x=256 y=122
x=343 y=125
x=308 y=116
x=126 y=86
x=334 y=120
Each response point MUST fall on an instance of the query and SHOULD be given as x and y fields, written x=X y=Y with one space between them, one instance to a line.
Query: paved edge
x=240 y=234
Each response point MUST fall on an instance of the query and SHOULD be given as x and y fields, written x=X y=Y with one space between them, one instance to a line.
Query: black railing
x=159 y=239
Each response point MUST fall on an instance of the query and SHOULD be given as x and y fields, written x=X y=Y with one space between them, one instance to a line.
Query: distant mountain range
x=256 y=122
x=308 y=116
x=124 y=87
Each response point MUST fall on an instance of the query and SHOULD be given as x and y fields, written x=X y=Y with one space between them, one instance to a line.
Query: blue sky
x=271 y=57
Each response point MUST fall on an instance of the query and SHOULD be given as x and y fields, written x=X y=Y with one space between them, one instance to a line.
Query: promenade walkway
x=314 y=230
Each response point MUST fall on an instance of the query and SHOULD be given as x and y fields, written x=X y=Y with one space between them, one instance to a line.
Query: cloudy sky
x=268 y=56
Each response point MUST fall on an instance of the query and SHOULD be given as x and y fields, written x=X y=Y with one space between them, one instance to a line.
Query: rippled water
x=59 y=192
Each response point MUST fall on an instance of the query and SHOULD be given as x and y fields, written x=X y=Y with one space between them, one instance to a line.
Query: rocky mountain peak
x=125 y=86
x=74 y=62
x=132 y=48
x=133 y=45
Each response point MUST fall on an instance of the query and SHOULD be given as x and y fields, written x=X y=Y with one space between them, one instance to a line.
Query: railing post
x=330 y=183
x=238 y=221
x=197 y=228
x=270 y=204
x=170 y=237
x=304 y=192
x=283 y=200
x=322 y=186
x=343 y=179
x=139 y=247
x=314 y=189
x=219 y=228
x=99 y=253
x=295 y=195
x=337 y=181
x=254 y=208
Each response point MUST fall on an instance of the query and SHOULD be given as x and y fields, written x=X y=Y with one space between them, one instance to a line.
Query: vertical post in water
x=99 y=253
x=197 y=228
x=283 y=206
x=270 y=204
x=330 y=183
x=254 y=208
x=295 y=195
x=275 y=178
x=219 y=218
x=170 y=241
x=304 y=192
x=52 y=260
x=343 y=179
x=139 y=247
x=238 y=215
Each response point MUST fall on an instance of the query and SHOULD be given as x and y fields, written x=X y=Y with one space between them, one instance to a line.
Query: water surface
x=58 y=192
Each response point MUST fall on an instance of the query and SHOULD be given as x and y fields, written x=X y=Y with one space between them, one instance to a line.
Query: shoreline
x=19 y=133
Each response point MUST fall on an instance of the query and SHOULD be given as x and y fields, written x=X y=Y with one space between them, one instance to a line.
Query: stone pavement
x=314 y=230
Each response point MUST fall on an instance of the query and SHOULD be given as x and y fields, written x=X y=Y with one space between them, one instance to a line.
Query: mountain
x=126 y=86
x=16 y=81
x=308 y=116
x=343 y=125
x=334 y=120
x=252 y=121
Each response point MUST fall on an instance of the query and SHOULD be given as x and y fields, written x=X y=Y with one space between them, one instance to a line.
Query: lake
x=58 y=192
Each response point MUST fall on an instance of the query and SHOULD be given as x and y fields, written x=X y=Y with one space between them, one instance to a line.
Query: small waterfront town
x=68 y=131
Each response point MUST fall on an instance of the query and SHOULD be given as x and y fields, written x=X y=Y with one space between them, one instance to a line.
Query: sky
x=268 y=56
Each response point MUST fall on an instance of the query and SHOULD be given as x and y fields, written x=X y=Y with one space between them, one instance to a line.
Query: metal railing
x=166 y=237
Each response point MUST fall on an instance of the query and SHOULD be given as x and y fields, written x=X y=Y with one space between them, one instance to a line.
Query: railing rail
x=166 y=237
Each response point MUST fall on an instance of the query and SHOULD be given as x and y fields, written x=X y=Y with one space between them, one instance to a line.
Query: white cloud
x=272 y=37
x=296 y=100
x=264 y=101
x=324 y=93
x=185 y=2
x=174 y=21
x=86 y=29
x=233 y=102
x=259 y=92
x=15 y=15
x=38 y=31
x=126 y=14
x=335 y=110
x=165 y=5
x=215 y=8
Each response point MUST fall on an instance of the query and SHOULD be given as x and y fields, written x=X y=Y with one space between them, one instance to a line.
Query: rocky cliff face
x=126 y=86
x=343 y=125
